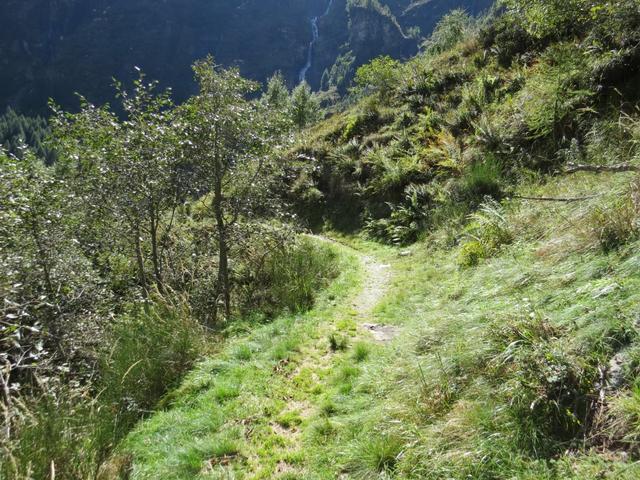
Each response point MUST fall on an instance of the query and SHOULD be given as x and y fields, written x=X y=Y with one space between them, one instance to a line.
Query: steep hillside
x=53 y=49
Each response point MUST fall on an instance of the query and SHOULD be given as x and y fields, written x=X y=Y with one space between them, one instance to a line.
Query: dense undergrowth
x=489 y=103
x=132 y=256
x=70 y=423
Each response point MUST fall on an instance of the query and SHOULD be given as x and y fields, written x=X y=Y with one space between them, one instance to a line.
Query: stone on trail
x=382 y=333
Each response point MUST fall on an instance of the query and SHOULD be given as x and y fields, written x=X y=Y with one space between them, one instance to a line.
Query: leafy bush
x=487 y=232
x=377 y=77
x=556 y=18
x=471 y=253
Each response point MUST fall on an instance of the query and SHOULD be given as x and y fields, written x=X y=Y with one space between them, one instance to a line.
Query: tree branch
x=617 y=168
x=556 y=199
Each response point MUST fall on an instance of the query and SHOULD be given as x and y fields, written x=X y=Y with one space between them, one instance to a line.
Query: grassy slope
x=435 y=402
x=434 y=407
x=498 y=369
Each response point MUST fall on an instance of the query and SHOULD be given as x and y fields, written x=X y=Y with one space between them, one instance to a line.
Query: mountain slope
x=53 y=49
x=465 y=386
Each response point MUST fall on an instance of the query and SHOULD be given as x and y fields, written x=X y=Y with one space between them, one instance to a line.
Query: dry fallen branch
x=616 y=168
x=556 y=199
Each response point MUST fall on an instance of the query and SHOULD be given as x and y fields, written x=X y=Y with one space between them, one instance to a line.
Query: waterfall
x=315 y=35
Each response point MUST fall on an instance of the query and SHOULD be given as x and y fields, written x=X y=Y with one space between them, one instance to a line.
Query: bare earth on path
x=376 y=282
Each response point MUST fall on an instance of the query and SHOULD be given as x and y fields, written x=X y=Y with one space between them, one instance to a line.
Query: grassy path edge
x=247 y=412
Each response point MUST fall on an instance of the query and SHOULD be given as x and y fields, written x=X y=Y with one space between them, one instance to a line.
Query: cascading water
x=315 y=35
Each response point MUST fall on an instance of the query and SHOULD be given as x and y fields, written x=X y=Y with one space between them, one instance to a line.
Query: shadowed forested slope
x=53 y=49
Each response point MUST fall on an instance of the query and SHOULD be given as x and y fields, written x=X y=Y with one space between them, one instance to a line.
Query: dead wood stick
x=556 y=199
x=616 y=168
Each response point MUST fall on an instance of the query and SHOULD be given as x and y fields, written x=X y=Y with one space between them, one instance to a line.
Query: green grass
x=490 y=377
x=259 y=387
x=361 y=351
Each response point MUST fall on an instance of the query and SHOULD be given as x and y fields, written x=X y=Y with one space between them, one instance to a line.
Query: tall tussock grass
x=68 y=430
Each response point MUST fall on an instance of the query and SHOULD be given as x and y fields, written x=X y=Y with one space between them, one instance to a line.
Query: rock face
x=53 y=48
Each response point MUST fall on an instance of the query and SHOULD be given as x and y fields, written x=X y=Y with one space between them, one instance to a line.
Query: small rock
x=382 y=333
x=615 y=371
x=406 y=253
x=603 y=292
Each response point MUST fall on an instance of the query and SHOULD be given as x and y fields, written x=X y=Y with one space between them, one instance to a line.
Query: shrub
x=552 y=18
x=290 y=277
x=393 y=173
x=549 y=390
x=406 y=221
x=337 y=343
x=361 y=351
x=378 y=77
x=507 y=38
x=153 y=346
x=488 y=231
x=554 y=92
x=482 y=179
x=366 y=121
x=471 y=253
x=451 y=29
x=375 y=456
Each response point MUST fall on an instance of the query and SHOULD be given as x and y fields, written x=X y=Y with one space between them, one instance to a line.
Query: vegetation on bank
x=132 y=255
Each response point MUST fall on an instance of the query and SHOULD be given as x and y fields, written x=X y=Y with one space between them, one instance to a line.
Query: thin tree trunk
x=617 y=168
x=142 y=279
x=223 y=287
x=155 y=258
x=557 y=199
x=42 y=258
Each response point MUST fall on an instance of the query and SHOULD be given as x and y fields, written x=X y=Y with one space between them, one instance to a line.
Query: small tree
x=225 y=138
x=377 y=77
x=305 y=108
x=127 y=171
x=449 y=31
x=44 y=278
x=277 y=94
x=559 y=18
